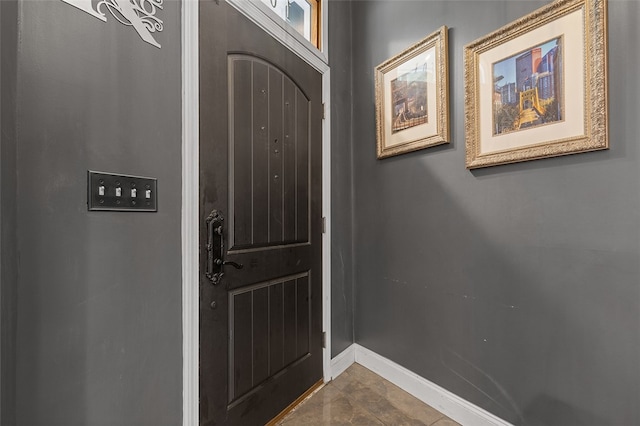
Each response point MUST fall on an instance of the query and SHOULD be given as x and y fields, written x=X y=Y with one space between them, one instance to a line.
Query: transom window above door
x=302 y=15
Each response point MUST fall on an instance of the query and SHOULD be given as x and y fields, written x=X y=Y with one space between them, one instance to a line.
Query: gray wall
x=99 y=298
x=8 y=258
x=341 y=177
x=516 y=287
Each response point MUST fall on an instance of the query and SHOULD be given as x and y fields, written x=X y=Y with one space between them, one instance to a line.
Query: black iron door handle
x=215 y=248
x=234 y=264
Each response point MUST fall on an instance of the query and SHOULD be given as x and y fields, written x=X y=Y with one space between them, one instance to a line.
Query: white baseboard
x=449 y=404
x=343 y=361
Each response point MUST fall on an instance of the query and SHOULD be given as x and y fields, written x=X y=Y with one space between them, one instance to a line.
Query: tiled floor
x=361 y=397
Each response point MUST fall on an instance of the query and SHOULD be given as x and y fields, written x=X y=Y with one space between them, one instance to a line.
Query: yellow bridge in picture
x=530 y=108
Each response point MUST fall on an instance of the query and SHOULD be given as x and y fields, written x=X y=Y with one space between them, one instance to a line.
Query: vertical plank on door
x=275 y=156
x=302 y=162
x=290 y=334
x=241 y=73
x=241 y=332
x=261 y=177
x=260 y=335
x=289 y=152
x=302 y=314
x=276 y=329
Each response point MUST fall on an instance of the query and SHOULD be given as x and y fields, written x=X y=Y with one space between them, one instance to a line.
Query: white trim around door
x=190 y=206
x=273 y=25
x=190 y=184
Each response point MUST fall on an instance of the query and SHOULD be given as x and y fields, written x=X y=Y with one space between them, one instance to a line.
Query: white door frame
x=273 y=25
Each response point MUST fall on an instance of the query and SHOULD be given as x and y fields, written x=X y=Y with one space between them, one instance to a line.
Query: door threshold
x=313 y=389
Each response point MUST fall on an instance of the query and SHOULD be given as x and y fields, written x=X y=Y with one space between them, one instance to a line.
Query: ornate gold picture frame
x=537 y=87
x=412 y=97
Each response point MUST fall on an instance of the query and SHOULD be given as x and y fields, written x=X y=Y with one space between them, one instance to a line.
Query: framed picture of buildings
x=412 y=97
x=537 y=87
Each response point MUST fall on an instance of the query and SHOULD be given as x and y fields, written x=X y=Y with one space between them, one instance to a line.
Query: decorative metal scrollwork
x=215 y=248
x=139 y=14
x=145 y=10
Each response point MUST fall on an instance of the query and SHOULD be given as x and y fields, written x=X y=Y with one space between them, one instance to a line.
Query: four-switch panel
x=109 y=192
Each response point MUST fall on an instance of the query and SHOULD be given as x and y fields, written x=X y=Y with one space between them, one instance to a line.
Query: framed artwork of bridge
x=537 y=87
x=412 y=97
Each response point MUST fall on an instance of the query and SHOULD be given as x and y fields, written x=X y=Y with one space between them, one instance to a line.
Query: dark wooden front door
x=260 y=210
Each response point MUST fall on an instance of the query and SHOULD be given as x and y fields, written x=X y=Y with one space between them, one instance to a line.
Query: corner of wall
x=351 y=180
x=8 y=256
x=340 y=34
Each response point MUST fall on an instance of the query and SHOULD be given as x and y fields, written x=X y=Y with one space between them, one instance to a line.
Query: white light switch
x=134 y=193
x=101 y=190
x=147 y=193
x=118 y=192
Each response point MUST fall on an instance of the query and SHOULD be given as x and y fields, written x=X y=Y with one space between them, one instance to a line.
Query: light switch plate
x=121 y=192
